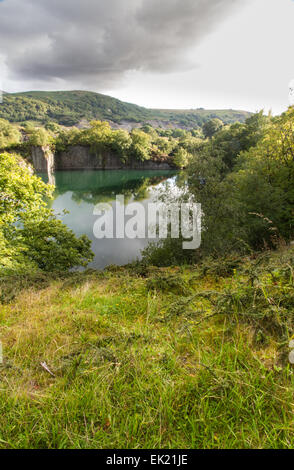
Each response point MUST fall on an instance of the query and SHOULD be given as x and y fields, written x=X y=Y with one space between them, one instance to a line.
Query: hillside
x=162 y=358
x=70 y=107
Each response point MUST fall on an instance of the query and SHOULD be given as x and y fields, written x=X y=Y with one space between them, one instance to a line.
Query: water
x=79 y=191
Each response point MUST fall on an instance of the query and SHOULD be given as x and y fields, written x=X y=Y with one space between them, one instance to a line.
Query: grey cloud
x=98 y=41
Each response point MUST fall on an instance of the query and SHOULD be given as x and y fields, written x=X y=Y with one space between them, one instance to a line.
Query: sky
x=215 y=54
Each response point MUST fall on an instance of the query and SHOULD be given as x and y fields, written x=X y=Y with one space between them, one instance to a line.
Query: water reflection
x=79 y=191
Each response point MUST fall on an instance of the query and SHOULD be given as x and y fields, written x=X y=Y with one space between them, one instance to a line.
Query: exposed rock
x=81 y=158
x=43 y=159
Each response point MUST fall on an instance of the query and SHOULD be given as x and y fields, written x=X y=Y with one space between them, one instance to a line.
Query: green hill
x=70 y=107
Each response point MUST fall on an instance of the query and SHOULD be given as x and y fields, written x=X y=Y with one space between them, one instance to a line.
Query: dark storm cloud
x=98 y=41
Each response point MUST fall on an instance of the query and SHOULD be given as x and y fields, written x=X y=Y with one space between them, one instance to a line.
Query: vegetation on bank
x=172 y=146
x=244 y=178
x=139 y=144
x=68 y=108
x=31 y=237
x=175 y=146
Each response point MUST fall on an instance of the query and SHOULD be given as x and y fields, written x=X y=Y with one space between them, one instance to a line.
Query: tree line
x=243 y=175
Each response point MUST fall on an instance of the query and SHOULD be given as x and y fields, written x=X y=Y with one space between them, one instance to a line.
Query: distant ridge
x=69 y=108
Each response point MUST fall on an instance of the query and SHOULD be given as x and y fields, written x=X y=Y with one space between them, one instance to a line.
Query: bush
x=9 y=134
x=181 y=158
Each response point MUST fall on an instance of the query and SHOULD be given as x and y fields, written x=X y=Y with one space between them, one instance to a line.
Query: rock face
x=81 y=158
x=43 y=159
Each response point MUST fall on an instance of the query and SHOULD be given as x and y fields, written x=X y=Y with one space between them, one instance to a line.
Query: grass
x=165 y=358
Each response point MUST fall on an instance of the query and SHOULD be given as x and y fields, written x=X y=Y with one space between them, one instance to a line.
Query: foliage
x=212 y=127
x=163 y=145
x=53 y=127
x=141 y=143
x=68 y=108
x=9 y=134
x=39 y=137
x=244 y=179
x=181 y=158
x=120 y=143
x=247 y=199
x=167 y=252
x=30 y=236
x=137 y=144
x=97 y=136
x=140 y=146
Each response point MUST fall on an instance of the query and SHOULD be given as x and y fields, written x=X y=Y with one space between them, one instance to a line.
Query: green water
x=79 y=191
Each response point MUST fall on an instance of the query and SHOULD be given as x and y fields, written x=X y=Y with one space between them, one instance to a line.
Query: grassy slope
x=174 y=358
x=69 y=107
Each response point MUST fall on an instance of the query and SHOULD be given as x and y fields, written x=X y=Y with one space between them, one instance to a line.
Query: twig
x=44 y=365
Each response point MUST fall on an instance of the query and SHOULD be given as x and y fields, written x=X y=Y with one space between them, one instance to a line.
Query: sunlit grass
x=138 y=366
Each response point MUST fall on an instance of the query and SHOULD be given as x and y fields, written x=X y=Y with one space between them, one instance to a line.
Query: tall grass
x=177 y=358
